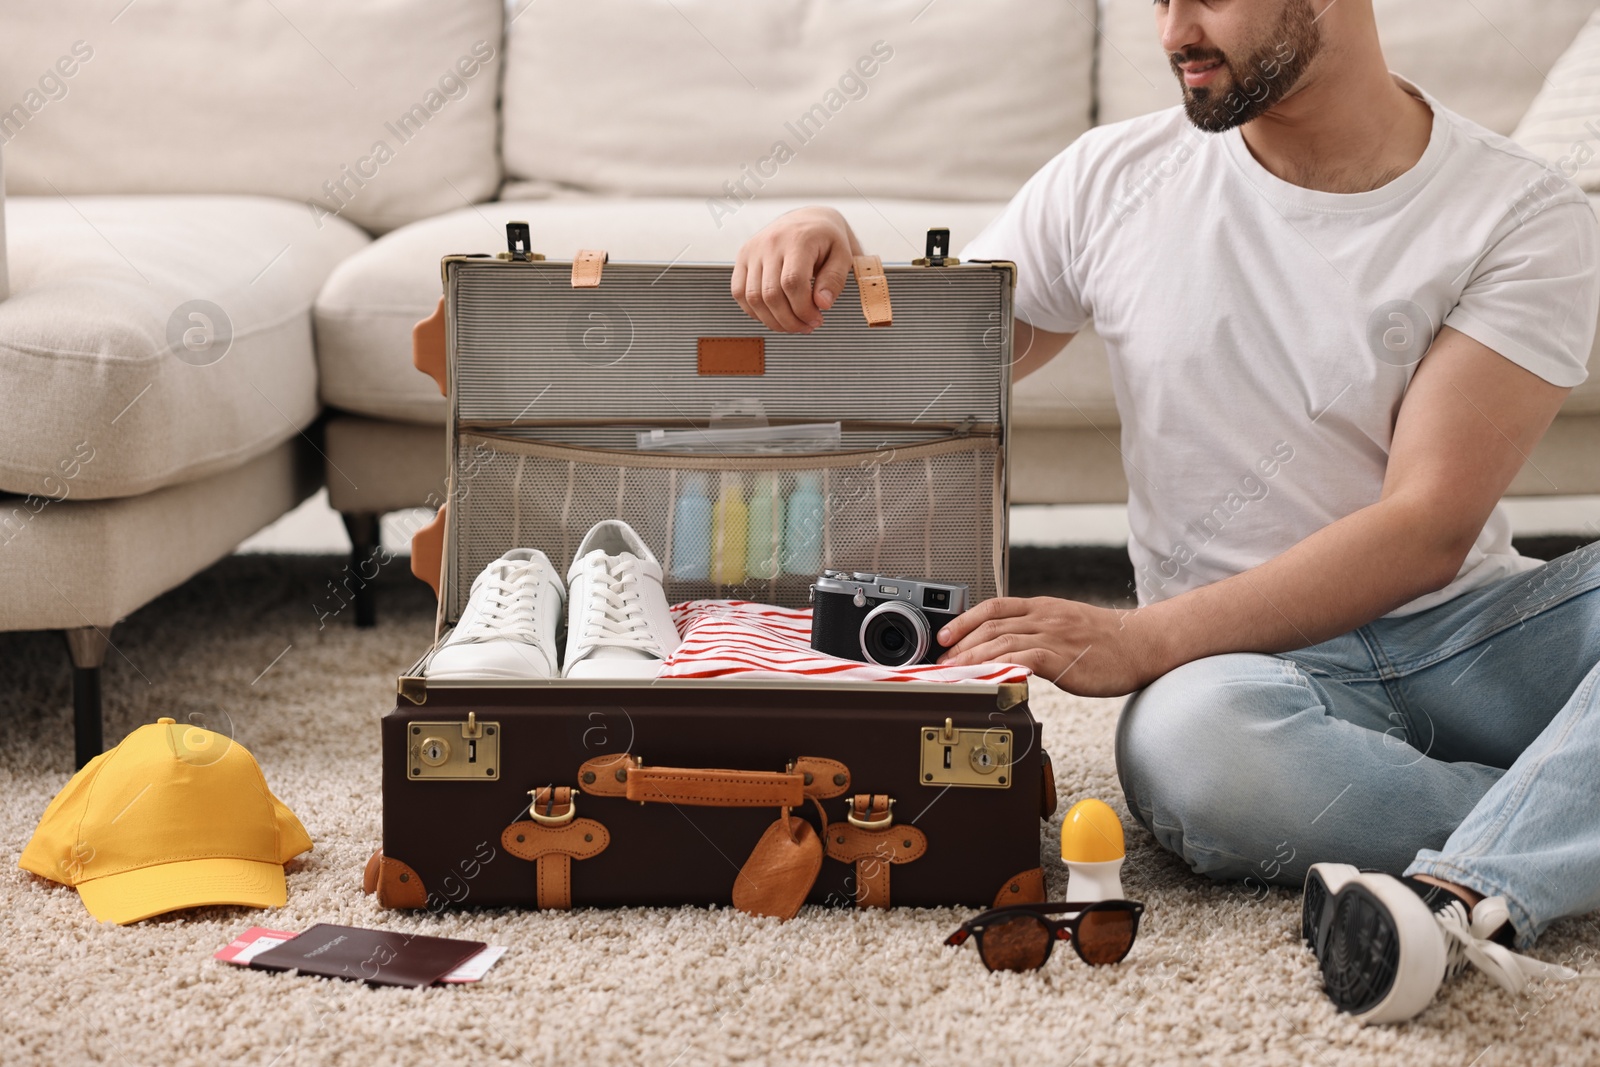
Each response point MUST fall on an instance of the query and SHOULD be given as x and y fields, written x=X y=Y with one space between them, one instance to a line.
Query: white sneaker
x=1384 y=950
x=508 y=628
x=618 y=625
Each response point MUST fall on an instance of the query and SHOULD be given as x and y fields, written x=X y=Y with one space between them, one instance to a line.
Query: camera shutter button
x=863 y=576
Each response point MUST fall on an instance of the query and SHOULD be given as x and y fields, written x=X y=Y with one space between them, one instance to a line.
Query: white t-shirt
x=1251 y=324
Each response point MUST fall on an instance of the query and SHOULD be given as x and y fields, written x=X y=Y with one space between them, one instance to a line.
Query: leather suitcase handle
x=703 y=787
x=427 y=346
x=427 y=550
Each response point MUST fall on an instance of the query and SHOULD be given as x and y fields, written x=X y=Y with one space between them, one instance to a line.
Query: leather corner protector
x=1047 y=786
x=731 y=356
x=1024 y=888
x=399 y=886
x=427 y=347
x=427 y=550
x=369 y=877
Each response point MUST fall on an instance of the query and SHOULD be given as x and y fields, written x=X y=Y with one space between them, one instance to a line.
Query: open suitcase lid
x=552 y=367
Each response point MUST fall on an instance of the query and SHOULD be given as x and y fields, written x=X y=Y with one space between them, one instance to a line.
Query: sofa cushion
x=117 y=372
x=93 y=562
x=1484 y=59
x=367 y=309
x=5 y=278
x=1562 y=125
x=894 y=98
x=1072 y=390
x=383 y=111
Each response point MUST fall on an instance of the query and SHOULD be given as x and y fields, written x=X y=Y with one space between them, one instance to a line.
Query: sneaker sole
x=1381 y=954
x=1313 y=914
x=487 y=675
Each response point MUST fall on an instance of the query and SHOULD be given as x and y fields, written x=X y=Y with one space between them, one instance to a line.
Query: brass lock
x=966 y=757
x=454 y=751
x=433 y=751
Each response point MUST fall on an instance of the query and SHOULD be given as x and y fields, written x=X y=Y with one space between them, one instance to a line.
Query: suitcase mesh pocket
x=737 y=527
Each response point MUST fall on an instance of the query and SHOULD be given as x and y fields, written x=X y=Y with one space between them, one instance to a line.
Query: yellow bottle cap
x=1091 y=833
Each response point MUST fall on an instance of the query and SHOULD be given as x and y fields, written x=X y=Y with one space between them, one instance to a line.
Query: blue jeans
x=1461 y=742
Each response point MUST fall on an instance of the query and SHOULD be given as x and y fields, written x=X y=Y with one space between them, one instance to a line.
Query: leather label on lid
x=733 y=355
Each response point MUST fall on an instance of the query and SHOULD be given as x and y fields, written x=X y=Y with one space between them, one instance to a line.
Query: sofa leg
x=362 y=526
x=87 y=646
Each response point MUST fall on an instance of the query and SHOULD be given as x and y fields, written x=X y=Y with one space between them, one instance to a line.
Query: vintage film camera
x=887 y=621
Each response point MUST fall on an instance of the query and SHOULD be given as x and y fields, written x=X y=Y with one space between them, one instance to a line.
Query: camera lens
x=894 y=634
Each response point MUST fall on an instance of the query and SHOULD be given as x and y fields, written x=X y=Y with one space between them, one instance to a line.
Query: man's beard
x=1270 y=71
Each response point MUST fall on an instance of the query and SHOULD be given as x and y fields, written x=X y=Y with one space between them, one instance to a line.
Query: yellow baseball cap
x=173 y=817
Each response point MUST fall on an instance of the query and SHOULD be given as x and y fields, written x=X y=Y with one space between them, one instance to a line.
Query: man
x=1337 y=327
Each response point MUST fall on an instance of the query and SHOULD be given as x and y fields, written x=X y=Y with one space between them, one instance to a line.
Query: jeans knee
x=1185 y=726
x=1190 y=758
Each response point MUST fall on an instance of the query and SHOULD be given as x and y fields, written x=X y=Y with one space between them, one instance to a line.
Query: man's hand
x=1087 y=650
x=774 y=271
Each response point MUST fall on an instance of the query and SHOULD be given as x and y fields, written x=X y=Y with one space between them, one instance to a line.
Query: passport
x=378 y=957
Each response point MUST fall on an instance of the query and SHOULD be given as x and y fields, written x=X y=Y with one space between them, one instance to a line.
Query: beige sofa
x=300 y=167
x=179 y=188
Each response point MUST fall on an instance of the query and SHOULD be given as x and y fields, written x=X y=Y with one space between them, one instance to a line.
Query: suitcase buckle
x=870 y=824
x=551 y=820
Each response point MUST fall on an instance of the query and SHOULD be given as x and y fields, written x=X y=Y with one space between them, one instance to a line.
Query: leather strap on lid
x=874 y=289
x=586 y=268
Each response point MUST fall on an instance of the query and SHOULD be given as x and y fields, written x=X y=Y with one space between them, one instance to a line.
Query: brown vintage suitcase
x=762 y=794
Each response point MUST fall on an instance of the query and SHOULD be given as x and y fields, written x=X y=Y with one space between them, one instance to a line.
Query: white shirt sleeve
x=1034 y=232
x=1535 y=296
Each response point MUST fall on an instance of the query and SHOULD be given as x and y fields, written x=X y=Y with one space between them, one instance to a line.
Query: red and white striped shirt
x=725 y=638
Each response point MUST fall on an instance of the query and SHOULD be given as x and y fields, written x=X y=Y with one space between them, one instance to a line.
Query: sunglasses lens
x=1105 y=935
x=1018 y=943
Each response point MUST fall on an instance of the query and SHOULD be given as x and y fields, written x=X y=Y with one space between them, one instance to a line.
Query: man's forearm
x=1341 y=577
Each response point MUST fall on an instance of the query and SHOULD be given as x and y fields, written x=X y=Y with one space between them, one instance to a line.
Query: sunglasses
x=1019 y=937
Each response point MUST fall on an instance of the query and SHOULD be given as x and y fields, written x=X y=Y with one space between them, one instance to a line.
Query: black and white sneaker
x=1385 y=945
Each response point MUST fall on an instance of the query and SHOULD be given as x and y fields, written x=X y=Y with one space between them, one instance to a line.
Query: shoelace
x=615 y=613
x=506 y=604
x=1511 y=970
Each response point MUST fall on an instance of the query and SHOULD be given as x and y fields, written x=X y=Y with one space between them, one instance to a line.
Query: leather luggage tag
x=781 y=870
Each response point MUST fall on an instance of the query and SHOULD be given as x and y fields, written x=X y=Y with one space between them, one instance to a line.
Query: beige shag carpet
x=1219 y=976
